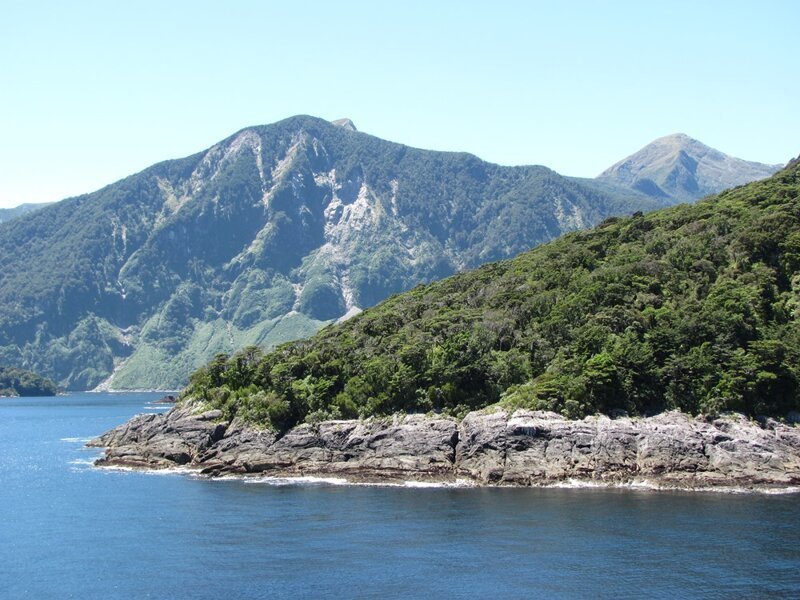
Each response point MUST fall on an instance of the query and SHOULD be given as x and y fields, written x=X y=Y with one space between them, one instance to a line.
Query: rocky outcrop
x=162 y=440
x=522 y=449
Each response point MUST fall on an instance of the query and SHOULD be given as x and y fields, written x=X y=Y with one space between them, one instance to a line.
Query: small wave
x=76 y=440
x=311 y=480
x=636 y=484
x=647 y=485
x=577 y=484
x=340 y=481
x=168 y=471
x=768 y=491
x=780 y=491
x=458 y=483
x=300 y=480
x=172 y=471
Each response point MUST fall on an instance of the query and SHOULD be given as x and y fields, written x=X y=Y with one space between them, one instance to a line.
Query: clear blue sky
x=94 y=91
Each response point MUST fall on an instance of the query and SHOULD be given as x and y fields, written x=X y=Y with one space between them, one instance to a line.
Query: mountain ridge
x=262 y=238
x=8 y=214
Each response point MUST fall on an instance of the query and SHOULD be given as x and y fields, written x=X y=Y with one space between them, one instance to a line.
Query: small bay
x=70 y=530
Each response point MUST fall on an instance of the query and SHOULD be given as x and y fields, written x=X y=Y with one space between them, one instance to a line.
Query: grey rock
x=345 y=124
x=178 y=437
x=525 y=448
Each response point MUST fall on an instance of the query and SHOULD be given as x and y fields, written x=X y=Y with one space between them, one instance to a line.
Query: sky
x=91 y=92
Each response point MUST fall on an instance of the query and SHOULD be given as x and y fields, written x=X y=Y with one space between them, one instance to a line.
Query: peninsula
x=659 y=348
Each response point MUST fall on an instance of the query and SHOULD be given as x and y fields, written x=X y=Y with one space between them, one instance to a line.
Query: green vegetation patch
x=153 y=367
x=692 y=307
x=19 y=382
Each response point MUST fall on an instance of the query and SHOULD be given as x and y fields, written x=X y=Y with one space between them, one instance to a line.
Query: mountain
x=694 y=307
x=677 y=168
x=263 y=238
x=7 y=214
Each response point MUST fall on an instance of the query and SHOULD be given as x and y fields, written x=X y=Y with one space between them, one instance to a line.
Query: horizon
x=575 y=88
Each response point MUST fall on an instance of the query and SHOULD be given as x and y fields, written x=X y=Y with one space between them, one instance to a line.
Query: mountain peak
x=681 y=141
x=676 y=140
x=345 y=123
x=678 y=137
x=678 y=167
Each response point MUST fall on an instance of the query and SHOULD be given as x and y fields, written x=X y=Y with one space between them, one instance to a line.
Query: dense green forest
x=18 y=382
x=694 y=307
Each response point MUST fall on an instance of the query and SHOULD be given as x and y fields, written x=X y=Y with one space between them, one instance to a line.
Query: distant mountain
x=677 y=168
x=7 y=214
x=265 y=237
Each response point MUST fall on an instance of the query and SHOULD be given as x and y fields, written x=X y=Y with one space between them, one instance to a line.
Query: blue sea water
x=69 y=530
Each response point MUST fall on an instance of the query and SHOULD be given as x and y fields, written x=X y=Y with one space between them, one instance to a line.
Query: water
x=72 y=531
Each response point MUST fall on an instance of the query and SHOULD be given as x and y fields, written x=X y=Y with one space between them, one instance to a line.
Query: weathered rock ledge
x=487 y=448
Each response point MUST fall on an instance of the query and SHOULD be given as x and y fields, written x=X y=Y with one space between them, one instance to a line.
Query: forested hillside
x=17 y=382
x=263 y=238
x=695 y=307
x=7 y=214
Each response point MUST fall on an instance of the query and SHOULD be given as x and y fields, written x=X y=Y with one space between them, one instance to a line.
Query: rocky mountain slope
x=677 y=168
x=263 y=238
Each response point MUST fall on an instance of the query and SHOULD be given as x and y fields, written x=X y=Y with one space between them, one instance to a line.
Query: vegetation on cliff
x=18 y=382
x=692 y=307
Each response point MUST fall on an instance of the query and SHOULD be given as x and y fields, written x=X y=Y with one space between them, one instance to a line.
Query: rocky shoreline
x=670 y=450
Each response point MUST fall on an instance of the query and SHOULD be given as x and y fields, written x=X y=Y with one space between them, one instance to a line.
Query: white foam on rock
x=650 y=486
x=300 y=480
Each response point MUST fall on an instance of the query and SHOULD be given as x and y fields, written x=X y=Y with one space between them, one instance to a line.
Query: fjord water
x=70 y=530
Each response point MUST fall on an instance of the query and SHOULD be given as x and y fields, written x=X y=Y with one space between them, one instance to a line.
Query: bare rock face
x=345 y=123
x=178 y=437
x=671 y=449
x=680 y=168
x=487 y=448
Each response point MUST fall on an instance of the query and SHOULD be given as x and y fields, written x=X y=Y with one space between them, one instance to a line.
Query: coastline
x=670 y=451
x=278 y=480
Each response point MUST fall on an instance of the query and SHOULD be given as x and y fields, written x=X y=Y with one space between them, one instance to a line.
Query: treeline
x=18 y=382
x=692 y=307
